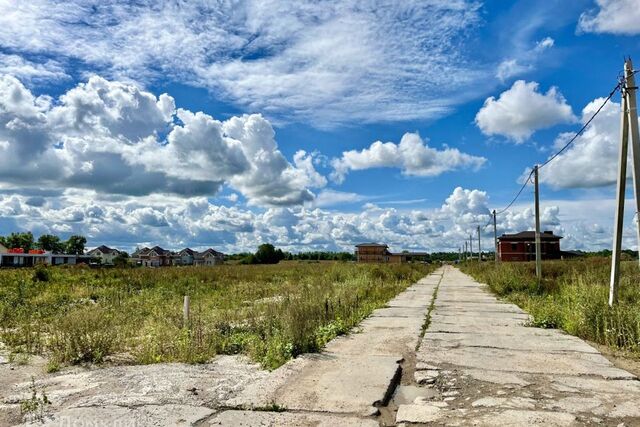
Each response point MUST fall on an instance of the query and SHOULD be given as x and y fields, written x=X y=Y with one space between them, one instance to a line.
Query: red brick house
x=376 y=252
x=522 y=246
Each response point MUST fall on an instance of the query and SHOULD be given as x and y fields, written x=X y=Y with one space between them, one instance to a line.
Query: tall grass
x=269 y=312
x=573 y=295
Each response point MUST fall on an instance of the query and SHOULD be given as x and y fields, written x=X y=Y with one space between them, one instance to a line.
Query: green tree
x=50 y=242
x=19 y=240
x=75 y=245
x=268 y=254
x=121 y=260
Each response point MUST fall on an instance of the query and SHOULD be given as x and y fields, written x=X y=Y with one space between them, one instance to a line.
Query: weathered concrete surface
x=286 y=419
x=356 y=372
x=491 y=369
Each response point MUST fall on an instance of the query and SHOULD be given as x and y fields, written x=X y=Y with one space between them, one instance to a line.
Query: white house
x=104 y=253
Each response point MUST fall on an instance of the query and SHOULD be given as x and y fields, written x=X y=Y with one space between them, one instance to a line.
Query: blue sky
x=310 y=125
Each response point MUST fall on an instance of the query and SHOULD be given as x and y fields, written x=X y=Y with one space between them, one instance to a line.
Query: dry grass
x=269 y=312
x=572 y=296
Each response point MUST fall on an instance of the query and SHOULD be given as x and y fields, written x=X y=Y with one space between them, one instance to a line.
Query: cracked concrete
x=493 y=370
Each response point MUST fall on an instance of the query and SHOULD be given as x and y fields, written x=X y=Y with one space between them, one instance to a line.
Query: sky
x=311 y=125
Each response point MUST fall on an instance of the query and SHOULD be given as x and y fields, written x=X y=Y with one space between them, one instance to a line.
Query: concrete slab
x=341 y=384
x=421 y=414
x=286 y=419
x=529 y=341
x=538 y=362
x=139 y=416
x=399 y=312
x=496 y=371
x=514 y=417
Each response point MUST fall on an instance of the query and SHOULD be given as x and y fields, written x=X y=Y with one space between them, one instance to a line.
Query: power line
x=582 y=129
x=571 y=141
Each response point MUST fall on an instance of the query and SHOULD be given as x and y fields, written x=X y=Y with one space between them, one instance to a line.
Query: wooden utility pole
x=479 y=246
x=465 y=250
x=537 y=209
x=495 y=237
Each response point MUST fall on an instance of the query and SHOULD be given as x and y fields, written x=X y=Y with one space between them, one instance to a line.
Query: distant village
x=20 y=250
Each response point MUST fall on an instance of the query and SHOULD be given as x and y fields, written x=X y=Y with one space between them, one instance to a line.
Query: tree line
x=75 y=245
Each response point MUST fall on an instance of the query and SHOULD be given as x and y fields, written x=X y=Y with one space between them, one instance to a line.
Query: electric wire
x=571 y=141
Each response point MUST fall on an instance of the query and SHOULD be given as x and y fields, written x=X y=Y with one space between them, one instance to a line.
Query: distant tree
x=50 y=242
x=268 y=254
x=19 y=240
x=121 y=260
x=75 y=245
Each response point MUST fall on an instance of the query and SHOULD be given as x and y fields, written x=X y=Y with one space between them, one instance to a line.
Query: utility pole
x=495 y=237
x=471 y=245
x=631 y=91
x=466 y=256
x=629 y=115
x=479 y=246
x=537 y=208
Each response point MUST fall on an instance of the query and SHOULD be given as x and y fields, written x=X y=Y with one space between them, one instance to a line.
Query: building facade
x=104 y=253
x=379 y=253
x=522 y=246
x=17 y=257
x=159 y=257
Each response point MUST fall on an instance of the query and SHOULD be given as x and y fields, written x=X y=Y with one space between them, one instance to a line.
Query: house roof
x=372 y=244
x=187 y=250
x=530 y=235
x=210 y=251
x=159 y=250
x=104 y=249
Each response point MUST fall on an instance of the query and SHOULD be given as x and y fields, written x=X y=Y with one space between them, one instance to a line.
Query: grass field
x=269 y=312
x=573 y=296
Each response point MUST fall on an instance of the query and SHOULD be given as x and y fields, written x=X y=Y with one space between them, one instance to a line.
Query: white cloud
x=525 y=61
x=612 y=16
x=592 y=159
x=38 y=72
x=330 y=62
x=511 y=68
x=110 y=136
x=521 y=110
x=175 y=222
x=412 y=155
x=328 y=197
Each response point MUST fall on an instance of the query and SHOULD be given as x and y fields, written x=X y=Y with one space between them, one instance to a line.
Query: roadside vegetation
x=573 y=296
x=269 y=312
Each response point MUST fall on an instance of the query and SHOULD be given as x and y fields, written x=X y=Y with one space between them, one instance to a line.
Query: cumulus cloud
x=521 y=110
x=412 y=156
x=612 y=16
x=117 y=138
x=175 y=222
x=294 y=59
x=592 y=160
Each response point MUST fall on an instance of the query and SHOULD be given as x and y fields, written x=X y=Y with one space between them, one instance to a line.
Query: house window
x=514 y=246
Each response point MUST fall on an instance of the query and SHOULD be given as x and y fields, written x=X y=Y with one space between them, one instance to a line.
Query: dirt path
x=488 y=368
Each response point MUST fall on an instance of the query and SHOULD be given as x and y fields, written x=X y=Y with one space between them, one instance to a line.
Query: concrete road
x=477 y=363
x=484 y=366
